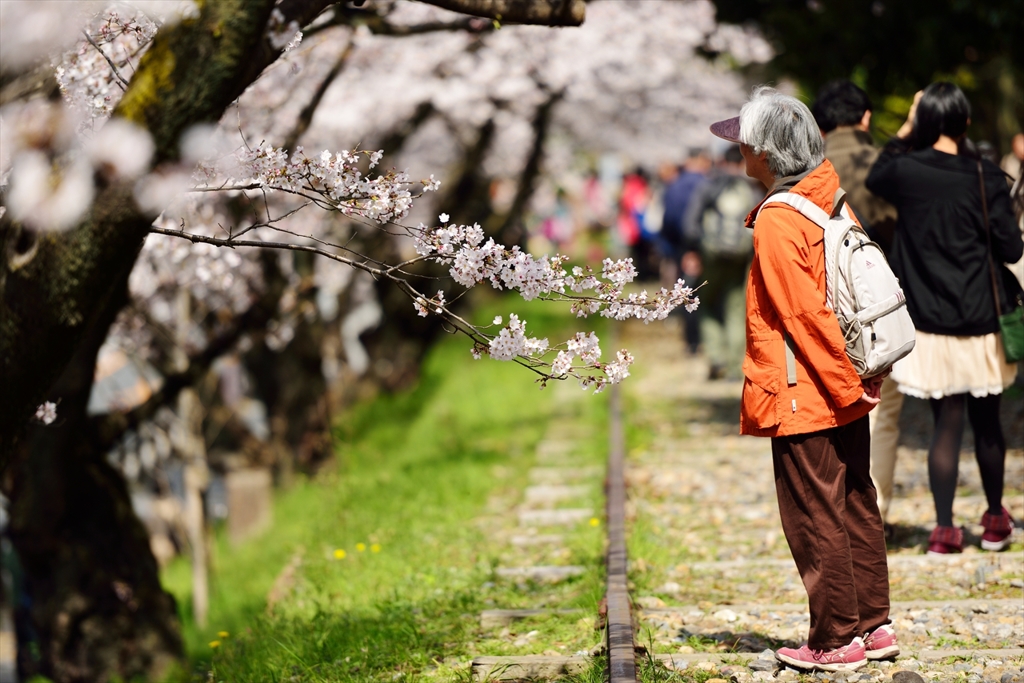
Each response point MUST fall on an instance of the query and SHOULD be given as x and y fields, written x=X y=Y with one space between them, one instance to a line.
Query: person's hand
x=908 y=126
x=873 y=387
x=870 y=400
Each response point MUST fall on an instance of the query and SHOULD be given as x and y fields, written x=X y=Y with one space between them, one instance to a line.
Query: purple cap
x=729 y=129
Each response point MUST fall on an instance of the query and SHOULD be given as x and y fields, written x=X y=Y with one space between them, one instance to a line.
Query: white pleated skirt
x=943 y=365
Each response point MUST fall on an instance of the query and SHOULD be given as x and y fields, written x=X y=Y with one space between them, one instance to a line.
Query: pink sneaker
x=847 y=658
x=881 y=643
x=946 y=540
x=998 y=529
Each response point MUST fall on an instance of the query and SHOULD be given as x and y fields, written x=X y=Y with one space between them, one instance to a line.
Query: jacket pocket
x=760 y=404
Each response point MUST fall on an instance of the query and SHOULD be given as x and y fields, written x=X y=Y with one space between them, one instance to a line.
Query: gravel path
x=711 y=569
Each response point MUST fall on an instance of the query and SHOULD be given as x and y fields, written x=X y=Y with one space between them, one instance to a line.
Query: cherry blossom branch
x=335 y=182
x=546 y=12
x=123 y=82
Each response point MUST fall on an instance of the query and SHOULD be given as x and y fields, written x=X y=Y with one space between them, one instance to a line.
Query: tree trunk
x=95 y=605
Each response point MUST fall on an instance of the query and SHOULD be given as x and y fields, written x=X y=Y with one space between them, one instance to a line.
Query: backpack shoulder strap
x=801 y=204
x=838 y=202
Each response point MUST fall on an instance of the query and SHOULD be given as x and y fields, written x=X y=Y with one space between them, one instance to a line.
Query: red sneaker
x=998 y=529
x=847 y=658
x=946 y=540
x=881 y=643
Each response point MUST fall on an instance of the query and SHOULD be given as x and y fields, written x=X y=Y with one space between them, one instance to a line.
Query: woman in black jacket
x=940 y=254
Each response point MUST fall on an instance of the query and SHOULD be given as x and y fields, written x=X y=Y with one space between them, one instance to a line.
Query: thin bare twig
x=113 y=67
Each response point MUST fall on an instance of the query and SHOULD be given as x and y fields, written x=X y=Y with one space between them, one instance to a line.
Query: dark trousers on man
x=831 y=521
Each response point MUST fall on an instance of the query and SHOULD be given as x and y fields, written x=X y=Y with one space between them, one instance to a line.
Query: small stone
x=726 y=615
x=650 y=602
x=762 y=676
x=762 y=665
x=706 y=666
x=980 y=609
x=907 y=677
x=717 y=680
x=1010 y=677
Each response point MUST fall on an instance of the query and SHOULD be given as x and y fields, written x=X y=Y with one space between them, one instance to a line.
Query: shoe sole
x=815 y=666
x=883 y=653
x=995 y=546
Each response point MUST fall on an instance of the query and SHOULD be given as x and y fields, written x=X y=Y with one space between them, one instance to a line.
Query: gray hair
x=784 y=128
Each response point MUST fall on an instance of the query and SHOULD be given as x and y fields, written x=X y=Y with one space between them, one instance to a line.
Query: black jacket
x=939 y=251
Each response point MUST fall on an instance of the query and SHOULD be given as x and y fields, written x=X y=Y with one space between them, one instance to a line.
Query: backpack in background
x=723 y=221
x=860 y=287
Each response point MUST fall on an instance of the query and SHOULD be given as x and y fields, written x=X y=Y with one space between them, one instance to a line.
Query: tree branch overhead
x=543 y=12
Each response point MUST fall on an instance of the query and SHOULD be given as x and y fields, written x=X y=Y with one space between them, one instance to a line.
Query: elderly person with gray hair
x=813 y=405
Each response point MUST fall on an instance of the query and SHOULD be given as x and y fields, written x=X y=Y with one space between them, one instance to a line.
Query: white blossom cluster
x=512 y=342
x=51 y=169
x=648 y=98
x=46 y=413
x=87 y=79
x=283 y=36
x=472 y=261
x=332 y=179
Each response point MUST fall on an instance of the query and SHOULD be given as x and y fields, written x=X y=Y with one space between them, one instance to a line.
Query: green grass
x=393 y=546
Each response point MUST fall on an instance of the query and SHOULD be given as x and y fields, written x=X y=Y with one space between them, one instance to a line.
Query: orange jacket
x=786 y=292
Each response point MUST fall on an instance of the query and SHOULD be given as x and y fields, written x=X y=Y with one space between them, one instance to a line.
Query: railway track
x=718 y=591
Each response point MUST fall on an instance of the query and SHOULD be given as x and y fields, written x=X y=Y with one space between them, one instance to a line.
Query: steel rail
x=621 y=654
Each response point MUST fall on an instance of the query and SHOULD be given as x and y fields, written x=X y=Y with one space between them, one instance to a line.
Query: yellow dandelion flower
x=375 y=548
x=214 y=644
x=360 y=547
x=594 y=521
x=339 y=554
x=222 y=634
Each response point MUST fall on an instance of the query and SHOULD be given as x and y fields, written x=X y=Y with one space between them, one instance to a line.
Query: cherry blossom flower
x=46 y=413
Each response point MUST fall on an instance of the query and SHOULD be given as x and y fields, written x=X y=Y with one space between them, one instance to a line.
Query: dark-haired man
x=843 y=113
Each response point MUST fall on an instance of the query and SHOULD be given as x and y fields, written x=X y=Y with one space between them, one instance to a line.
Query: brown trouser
x=831 y=520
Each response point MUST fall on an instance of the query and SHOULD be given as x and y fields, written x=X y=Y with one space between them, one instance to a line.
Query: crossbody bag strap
x=988 y=240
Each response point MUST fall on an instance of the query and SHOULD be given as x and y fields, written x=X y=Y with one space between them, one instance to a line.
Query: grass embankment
x=378 y=568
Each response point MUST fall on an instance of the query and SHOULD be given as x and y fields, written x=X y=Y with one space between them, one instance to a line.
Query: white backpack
x=860 y=287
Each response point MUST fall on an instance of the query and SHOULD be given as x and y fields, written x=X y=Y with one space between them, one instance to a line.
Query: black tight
x=944 y=455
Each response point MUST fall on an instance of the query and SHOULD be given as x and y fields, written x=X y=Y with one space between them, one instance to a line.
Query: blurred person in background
x=716 y=236
x=942 y=257
x=676 y=200
x=559 y=226
x=633 y=205
x=1013 y=166
x=843 y=114
x=1013 y=163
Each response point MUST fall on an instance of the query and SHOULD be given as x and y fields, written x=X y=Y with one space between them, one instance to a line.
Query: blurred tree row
x=893 y=49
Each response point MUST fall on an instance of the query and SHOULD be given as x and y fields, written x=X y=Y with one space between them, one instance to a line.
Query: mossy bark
x=97 y=610
x=52 y=287
x=92 y=608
